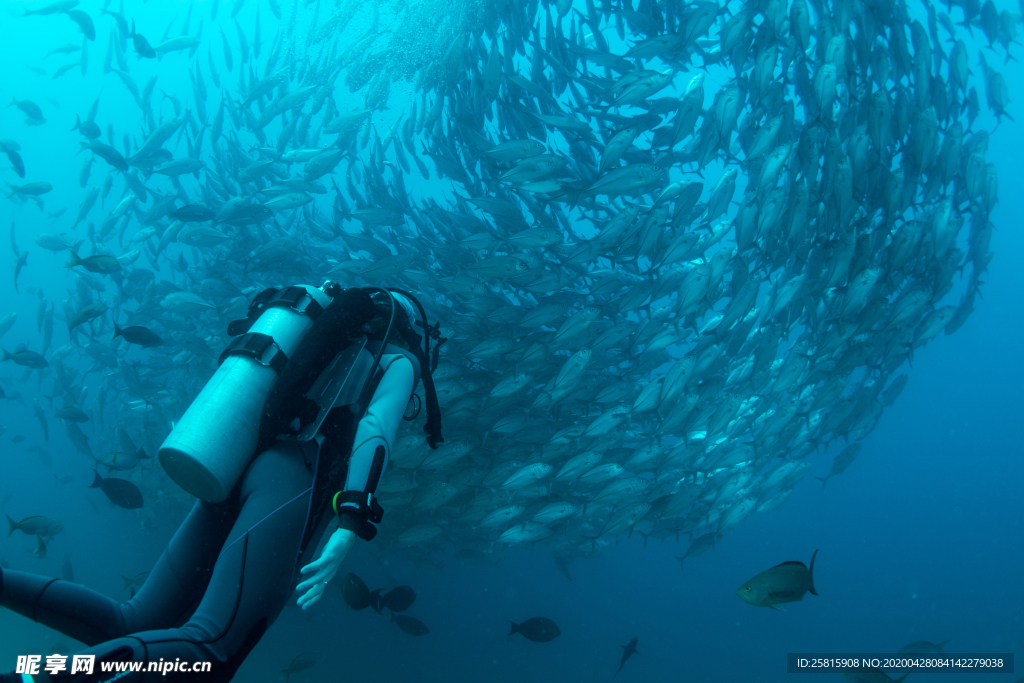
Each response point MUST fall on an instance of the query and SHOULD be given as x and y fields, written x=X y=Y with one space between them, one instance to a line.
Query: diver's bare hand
x=324 y=567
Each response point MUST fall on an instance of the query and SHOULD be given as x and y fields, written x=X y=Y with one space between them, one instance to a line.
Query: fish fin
x=811 y=574
x=777 y=609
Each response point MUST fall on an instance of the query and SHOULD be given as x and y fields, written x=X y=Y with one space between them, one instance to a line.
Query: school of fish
x=676 y=250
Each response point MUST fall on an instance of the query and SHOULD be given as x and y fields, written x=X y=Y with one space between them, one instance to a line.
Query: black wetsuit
x=222 y=581
x=231 y=566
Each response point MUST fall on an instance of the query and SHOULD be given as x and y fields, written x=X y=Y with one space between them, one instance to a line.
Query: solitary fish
x=538 y=629
x=28 y=359
x=139 y=335
x=121 y=492
x=786 y=582
x=87 y=313
x=72 y=413
x=301 y=662
x=99 y=263
x=87 y=128
x=410 y=625
x=29 y=189
x=137 y=580
x=628 y=651
x=355 y=592
x=399 y=599
x=142 y=46
x=30 y=109
x=37 y=525
x=192 y=213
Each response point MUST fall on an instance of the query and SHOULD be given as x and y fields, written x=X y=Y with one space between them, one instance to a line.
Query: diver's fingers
x=309 y=583
x=311 y=596
x=317 y=579
x=312 y=601
x=312 y=566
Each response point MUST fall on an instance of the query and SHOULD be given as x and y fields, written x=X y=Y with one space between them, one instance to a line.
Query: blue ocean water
x=918 y=540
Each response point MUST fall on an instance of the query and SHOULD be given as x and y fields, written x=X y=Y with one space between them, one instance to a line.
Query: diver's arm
x=354 y=504
x=375 y=436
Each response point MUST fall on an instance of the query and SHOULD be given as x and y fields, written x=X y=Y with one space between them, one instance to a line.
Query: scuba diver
x=327 y=374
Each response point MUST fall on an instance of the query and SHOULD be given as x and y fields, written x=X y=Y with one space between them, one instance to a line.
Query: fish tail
x=75 y=259
x=939 y=646
x=515 y=627
x=810 y=573
x=7 y=355
x=78 y=122
x=14 y=525
x=97 y=482
x=823 y=480
x=117 y=332
x=680 y=561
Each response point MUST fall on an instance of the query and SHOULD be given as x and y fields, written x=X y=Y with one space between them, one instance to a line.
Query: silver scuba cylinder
x=215 y=440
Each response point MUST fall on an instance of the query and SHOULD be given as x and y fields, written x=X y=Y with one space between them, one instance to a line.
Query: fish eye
x=747 y=589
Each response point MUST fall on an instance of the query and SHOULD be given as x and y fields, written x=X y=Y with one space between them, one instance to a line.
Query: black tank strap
x=433 y=425
x=289 y=297
x=255 y=345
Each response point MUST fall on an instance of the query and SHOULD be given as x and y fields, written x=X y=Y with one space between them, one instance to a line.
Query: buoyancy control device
x=285 y=363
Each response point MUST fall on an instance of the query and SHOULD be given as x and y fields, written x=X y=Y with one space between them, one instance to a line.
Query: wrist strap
x=364 y=507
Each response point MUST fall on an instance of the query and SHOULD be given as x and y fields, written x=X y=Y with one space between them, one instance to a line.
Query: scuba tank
x=216 y=438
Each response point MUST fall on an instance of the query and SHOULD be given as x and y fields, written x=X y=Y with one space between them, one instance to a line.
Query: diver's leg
x=252 y=578
x=173 y=587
